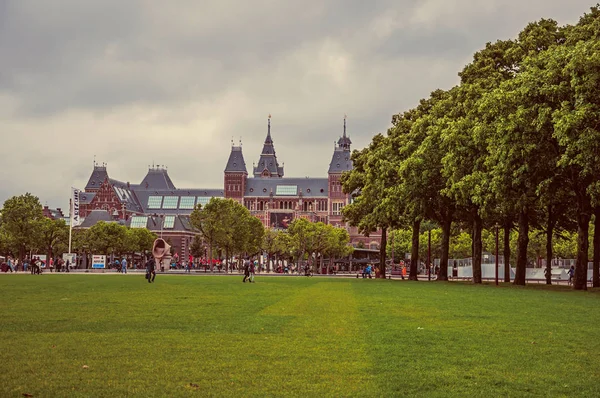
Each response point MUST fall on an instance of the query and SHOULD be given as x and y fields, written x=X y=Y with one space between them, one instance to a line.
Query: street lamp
x=497 y=255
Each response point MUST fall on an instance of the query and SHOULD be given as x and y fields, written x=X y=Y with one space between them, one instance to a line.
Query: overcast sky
x=171 y=83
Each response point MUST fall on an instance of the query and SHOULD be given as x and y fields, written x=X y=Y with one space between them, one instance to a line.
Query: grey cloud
x=140 y=81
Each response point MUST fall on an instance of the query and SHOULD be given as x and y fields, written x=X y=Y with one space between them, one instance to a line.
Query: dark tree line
x=515 y=144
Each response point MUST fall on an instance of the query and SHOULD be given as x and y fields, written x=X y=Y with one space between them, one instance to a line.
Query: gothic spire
x=267 y=164
x=344 y=142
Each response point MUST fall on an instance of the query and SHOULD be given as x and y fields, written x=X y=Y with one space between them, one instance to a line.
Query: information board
x=98 y=261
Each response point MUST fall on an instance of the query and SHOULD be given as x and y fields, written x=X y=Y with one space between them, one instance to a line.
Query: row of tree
x=460 y=247
x=516 y=143
x=223 y=226
x=25 y=229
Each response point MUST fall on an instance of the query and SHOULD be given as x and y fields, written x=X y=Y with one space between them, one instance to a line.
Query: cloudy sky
x=138 y=82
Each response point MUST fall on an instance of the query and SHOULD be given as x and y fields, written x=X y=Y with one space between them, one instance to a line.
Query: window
x=170 y=202
x=336 y=208
x=287 y=190
x=187 y=202
x=322 y=205
x=154 y=202
x=169 y=222
x=203 y=200
x=139 y=221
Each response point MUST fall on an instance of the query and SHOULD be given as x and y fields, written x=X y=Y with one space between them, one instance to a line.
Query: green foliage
x=312 y=241
x=227 y=225
x=21 y=217
x=517 y=139
x=53 y=236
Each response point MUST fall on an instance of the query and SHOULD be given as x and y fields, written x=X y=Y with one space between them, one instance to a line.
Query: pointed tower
x=235 y=174
x=97 y=178
x=340 y=162
x=267 y=166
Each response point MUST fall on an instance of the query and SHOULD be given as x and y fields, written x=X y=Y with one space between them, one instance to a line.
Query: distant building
x=158 y=205
x=53 y=214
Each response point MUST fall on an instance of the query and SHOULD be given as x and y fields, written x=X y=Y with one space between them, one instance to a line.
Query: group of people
x=121 y=266
x=35 y=265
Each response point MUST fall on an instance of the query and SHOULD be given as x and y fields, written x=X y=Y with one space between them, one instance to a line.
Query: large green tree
x=21 y=217
x=52 y=233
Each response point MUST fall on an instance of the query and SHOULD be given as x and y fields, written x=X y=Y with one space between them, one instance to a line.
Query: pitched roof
x=86 y=197
x=307 y=187
x=96 y=178
x=236 y=162
x=157 y=178
x=144 y=198
x=126 y=194
x=340 y=161
x=94 y=217
x=157 y=223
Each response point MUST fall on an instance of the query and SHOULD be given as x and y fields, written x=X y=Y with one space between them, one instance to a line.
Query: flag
x=75 y=220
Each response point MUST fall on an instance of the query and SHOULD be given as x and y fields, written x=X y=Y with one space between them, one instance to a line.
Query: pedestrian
x=67 y=265
x=246 y=270
x=124 y=265
x=9 y=262
x=252 y=272
x=25 y=264
x=571 y=273
x=151 y=270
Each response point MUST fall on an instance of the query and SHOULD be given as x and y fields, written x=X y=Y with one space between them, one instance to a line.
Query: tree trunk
x=382 y=252
x=21 y=254
x=506 y=251
x=414 y=255
x=583 y=223
x=596 y=266
x=446 y=231
x=477 y=248
x=549 y=234
x=522 y=244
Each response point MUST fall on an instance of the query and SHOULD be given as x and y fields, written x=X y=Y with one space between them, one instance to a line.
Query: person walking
x=151 y=270
x=124 y=265
x=571 y=273
x=10 y=264
x=252 y=271
x=246 y=270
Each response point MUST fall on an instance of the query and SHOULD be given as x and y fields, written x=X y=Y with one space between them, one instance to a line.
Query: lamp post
x=429 y=254
x=497 y=255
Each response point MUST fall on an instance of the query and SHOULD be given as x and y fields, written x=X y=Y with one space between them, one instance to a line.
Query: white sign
x=71 y=258
x=98 y=261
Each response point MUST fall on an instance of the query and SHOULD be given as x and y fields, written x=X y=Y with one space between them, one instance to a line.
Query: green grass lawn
x=293 y=336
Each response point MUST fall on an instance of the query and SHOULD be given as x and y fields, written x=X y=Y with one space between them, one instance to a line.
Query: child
x=571 y=274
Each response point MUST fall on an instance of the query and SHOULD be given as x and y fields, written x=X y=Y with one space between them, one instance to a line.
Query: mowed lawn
x=112 y=336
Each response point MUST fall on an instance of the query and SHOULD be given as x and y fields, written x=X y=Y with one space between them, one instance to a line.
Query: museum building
x=158 y=205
